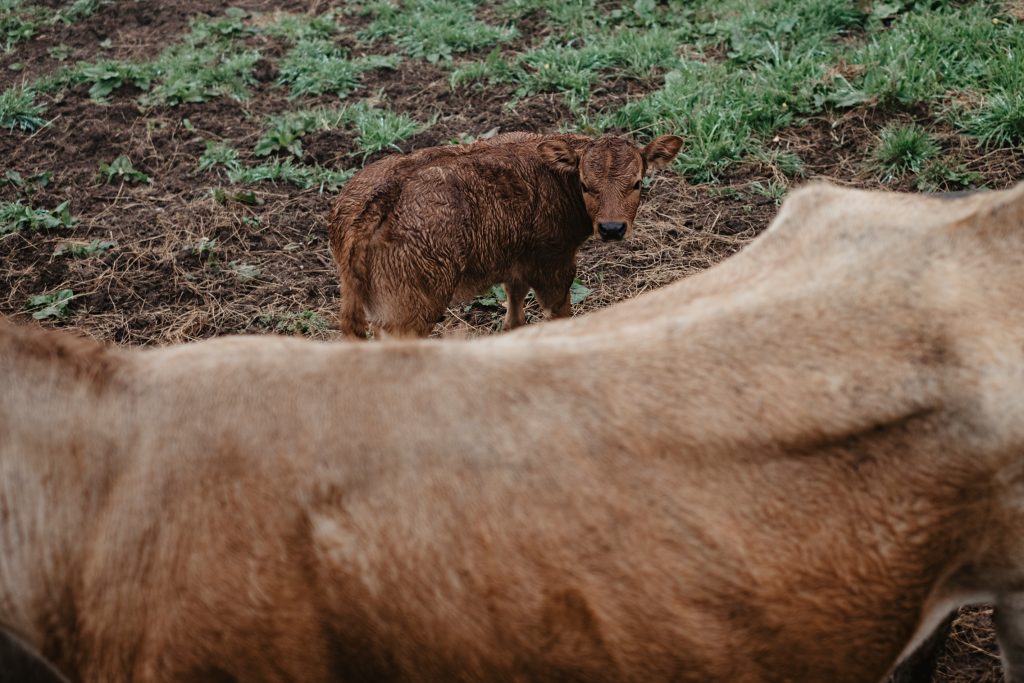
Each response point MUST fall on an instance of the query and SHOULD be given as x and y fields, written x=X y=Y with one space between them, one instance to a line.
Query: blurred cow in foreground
x=787 y=468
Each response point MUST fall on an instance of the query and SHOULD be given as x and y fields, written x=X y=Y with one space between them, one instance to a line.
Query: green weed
x=285 y=131
x=229 y=27
x=52 y=305
x=59 y=52
x=573 y=68
x=83 y=249
x=30 y=184
x=18 y=217
x=15 y=29
x=219 y=154
x=108 y=75
x=245 y=272
x=574 y=17
x=308 y=323
x=376 y=129
x=78 y=10
x=122 y=170
x=206 y=251
x=247 y=197
x=942 y=176
x=578 y=292
x=494 y=297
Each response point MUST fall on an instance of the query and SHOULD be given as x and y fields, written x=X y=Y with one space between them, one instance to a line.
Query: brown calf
x=787 y=468
x=411 y=232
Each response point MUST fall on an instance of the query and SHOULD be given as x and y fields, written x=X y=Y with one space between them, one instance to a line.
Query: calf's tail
x=351 y=227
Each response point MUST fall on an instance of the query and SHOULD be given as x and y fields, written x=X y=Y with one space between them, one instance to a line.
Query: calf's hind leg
x=515 y=294
x=413 y=313
x=553 y=292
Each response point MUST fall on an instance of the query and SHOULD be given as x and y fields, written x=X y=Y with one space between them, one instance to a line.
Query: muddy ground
x=157 y=285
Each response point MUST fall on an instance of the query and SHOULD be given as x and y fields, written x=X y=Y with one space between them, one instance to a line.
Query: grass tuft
x=999 y=120
x=319 y=67
x=287 y=171
x=19 y=109
x=902 y=149
x=433 y=30
x=219 y=154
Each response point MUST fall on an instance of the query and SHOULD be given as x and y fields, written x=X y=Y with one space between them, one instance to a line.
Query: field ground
x=167 y=167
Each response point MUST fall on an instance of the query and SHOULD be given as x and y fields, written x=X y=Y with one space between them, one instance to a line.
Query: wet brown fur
x=787 y=468
x=409 y=233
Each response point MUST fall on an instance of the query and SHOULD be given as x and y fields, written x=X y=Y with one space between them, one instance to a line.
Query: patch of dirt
x=136 y=30
x=971 y=654
x=840 y=148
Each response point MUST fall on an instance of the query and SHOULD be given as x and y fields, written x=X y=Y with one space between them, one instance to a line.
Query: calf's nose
x=611 y=231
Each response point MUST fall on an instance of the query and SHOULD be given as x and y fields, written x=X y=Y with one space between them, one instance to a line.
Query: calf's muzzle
x=611 y=231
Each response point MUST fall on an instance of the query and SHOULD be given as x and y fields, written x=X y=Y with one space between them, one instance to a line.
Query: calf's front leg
x=1009 y=619
x=515 y=295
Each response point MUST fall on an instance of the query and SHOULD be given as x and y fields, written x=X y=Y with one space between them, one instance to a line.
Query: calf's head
x=610 y=171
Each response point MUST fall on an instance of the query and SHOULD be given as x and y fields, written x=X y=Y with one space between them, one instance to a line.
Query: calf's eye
x=584 y=187
x=636 y=185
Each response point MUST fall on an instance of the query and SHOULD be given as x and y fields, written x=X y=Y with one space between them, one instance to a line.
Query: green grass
x=19 y=109
x=285 y=131
x=376 y=129
x=219 y=154
x=319 y=67
x=786 y=163
x=904 y=149
x=750 y=69
x=999 y=120
x=434 y=30
x=727 y=75
x=287 y=171
x=573 y=16
x=301 y=27
x=574 y=67
x=774 y=190
x=78 y=10
x=20 y=21
x=379 y=129
x=196 y=73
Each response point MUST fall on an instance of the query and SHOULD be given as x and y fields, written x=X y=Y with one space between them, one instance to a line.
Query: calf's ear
x=660 y=151
x=559 y=155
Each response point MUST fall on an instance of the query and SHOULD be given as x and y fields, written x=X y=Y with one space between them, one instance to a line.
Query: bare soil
x=159 y=286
